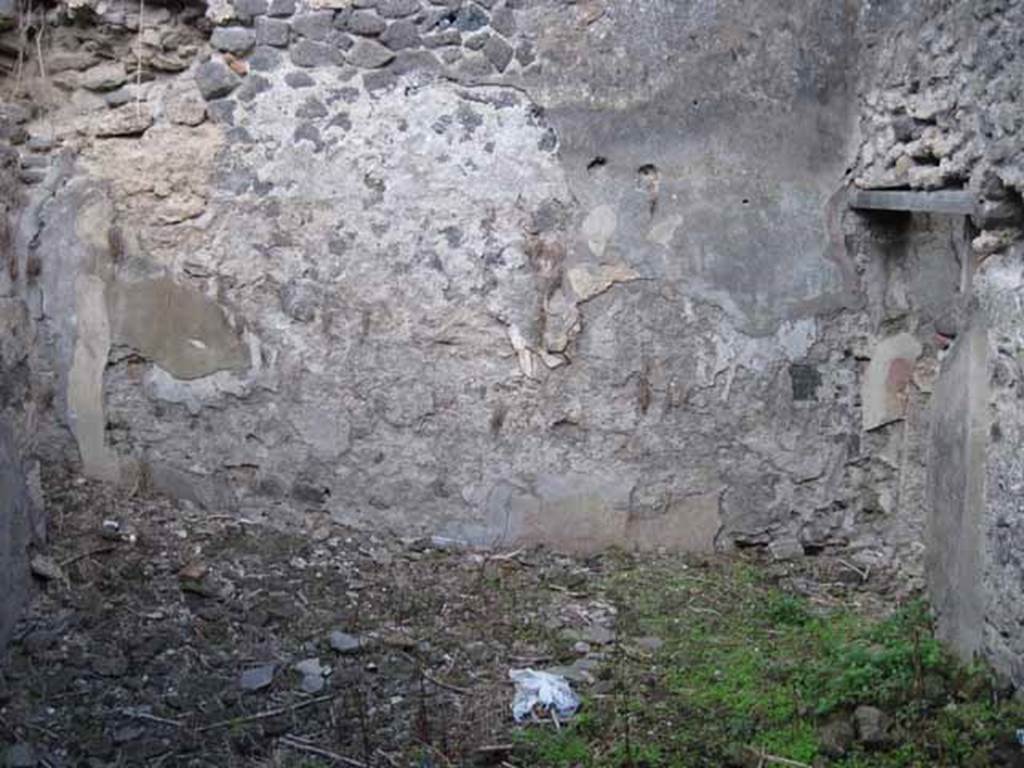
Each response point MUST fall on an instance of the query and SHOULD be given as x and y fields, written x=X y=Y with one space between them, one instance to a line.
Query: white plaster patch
x=598 y=228
x=796 y=337
x=663 y=232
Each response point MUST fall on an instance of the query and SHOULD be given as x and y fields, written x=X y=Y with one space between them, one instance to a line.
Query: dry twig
x=135 y=715
x=447 y=686
x=83 y=555
x=268 y=713
x=303 y=746
x=764 y=757
x=487 y=749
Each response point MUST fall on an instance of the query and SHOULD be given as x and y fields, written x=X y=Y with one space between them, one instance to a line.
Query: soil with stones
x=162 y=635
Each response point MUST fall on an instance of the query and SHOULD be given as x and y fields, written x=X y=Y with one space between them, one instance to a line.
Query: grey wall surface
x=20 y=496
x=511 y=271
x=503 y=272
x=956 y=495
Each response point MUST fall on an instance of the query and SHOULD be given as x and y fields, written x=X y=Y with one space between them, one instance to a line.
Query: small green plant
x=787 y=610
x=557 y=749
x=882 y=664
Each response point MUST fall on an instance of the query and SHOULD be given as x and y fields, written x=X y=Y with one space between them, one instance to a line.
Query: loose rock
x=312 y=675
x=344 y=643
x=257 y=678
x=837 y=736
x=45 y=568
x=872 y=726
x=598 y=635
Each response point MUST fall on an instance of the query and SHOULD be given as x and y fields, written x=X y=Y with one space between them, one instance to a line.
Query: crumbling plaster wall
x=503 y=271
x=942 y=110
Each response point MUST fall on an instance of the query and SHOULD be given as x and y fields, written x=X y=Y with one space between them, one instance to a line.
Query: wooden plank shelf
x=951 y=201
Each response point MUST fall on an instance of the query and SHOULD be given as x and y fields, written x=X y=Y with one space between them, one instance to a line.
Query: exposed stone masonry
x=503 y=272
x=942 y=110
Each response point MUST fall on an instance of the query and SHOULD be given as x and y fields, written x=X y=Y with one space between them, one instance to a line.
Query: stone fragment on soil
x=837 y=736
x=872 y=726
x=598 y=635
x=257 y=678
x=580 y=671
x=312 y=675
x=344 y=643
x=46 y=568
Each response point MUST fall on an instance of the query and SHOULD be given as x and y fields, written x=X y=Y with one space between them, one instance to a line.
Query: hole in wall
x=648 y=178
x=598 y=162
x=745 y=201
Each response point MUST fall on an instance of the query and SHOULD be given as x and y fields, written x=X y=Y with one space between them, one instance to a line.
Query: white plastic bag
x=550 y=692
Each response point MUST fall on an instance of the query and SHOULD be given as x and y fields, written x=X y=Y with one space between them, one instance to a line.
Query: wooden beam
x=954 y=201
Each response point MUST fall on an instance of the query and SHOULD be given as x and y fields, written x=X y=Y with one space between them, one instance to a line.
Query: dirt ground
x=166 y=636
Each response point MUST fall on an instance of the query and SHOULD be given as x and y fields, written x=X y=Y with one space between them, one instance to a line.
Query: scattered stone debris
x=210 y=640
x=872 y=726
x=837 y=736
x=313 y=675
x=257 y=678
x=45 y=568
x=343 y=642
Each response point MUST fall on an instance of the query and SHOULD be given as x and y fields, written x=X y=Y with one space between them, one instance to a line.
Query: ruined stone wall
x=942 y=111
x=499 y=271
x=20 y=498
x=502 y=271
